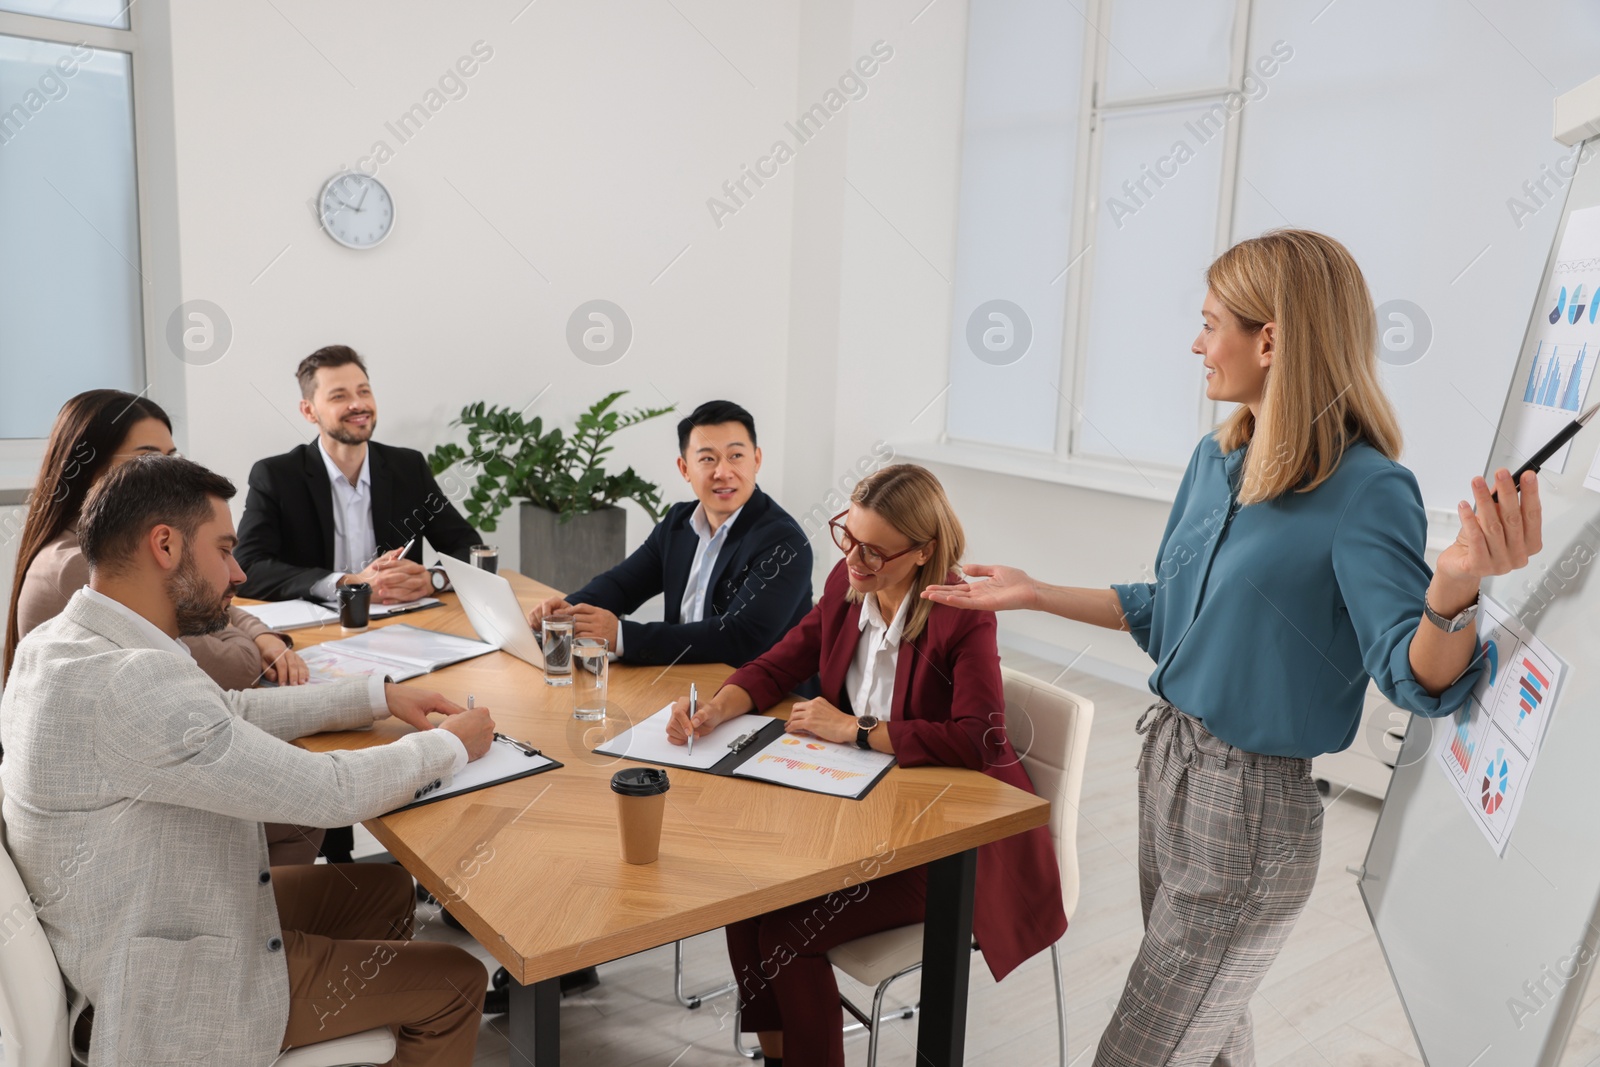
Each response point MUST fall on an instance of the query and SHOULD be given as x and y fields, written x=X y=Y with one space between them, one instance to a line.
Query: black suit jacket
x=761 y=587
x=286 y=535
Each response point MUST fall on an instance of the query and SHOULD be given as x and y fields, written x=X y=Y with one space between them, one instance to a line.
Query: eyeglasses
x=872 y=557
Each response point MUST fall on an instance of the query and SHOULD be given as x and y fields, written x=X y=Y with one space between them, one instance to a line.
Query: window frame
x=151 y=94
x=1069 y=464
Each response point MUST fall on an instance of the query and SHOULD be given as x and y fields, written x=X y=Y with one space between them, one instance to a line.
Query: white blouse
x=870 y=679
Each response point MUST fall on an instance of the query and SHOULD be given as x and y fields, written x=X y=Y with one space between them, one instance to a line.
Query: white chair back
x=33 y=998
x=1049 y=728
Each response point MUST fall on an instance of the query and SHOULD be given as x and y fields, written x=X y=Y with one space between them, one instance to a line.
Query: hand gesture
x=590 y=621
x=1005 y=588
x=679 y=724
x=475 y=729
x=280 y=663
x=397 y=581
x=1495 y=538
x=413 y=706
x=818 y=718
x=553 y=606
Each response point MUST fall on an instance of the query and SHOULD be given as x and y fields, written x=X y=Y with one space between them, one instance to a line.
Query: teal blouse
x=1266 y=621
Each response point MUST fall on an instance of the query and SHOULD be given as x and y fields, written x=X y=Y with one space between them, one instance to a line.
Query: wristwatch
x=440 y=579
x=864 y=727
x=1456 y=623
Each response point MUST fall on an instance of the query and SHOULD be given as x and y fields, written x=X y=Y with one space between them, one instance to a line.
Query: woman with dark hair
x=93 y=433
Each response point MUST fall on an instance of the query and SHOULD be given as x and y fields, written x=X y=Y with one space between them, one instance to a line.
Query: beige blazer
x=134 y=793
x=231 y=657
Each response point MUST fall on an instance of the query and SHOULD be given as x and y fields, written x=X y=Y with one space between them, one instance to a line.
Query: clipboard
x=719 y=752
x=738 y=742
x=504 y=762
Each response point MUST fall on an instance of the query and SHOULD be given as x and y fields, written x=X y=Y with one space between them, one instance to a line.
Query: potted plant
x=572 y=528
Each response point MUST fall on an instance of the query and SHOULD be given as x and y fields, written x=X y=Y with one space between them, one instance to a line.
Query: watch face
x=356 y=210
x=438 y=580
x=867 y=722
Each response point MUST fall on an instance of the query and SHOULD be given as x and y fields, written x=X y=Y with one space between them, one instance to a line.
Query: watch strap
x=1455 y=623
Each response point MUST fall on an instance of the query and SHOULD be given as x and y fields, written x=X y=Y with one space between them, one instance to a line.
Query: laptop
x=493 y=611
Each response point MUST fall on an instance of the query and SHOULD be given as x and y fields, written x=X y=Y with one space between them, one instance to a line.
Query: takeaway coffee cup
x=641 y=801
x=355 y=605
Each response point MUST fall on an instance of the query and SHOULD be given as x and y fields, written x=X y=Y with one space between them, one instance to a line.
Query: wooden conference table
x=532 y=867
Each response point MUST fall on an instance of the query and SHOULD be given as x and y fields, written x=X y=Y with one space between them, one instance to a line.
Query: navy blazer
x=761 y=587
x=286 y=535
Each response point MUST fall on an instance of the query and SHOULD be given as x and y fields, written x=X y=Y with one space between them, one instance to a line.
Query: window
x=71 y=280
x=1098 y=165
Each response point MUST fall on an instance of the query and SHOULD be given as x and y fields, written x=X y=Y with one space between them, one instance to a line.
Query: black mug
x=355 y=605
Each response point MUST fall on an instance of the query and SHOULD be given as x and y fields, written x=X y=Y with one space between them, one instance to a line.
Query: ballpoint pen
x=521 y=746
x=693 y=701
x=1537 y=459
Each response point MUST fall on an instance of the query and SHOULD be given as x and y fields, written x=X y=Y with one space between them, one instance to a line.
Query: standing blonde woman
x=1290 y=572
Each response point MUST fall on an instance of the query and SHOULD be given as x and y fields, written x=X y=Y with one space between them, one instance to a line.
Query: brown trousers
x=353 y=965
x=288 y=844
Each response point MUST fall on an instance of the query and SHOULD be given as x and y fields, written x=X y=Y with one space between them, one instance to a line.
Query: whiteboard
x=1492 y=955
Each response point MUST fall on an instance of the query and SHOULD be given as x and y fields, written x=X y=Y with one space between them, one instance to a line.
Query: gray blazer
x=135 y=790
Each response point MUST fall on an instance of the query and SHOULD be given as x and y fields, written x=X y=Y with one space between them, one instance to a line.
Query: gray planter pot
x=567 y=554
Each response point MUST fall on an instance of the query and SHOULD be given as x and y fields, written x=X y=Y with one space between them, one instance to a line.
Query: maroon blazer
x=949 y=711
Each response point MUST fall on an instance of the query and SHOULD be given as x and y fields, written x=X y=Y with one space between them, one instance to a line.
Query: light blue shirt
x=693 y=606
x=355 y=543
x=1266 y=621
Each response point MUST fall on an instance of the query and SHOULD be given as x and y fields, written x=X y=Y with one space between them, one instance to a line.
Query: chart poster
x=1563 y=345
x=1489 y=751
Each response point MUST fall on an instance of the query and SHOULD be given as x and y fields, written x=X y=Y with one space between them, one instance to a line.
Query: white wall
x=587 y=145
x=593 y=137
x=1401 y=131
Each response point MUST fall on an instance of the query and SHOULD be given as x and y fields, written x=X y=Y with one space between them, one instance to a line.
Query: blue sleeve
x=1138 y=607
x=1138 y=599
x=1383 y=577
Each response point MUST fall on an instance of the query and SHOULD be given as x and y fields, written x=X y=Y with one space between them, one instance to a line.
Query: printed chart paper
x=818 y=765
x=1559 y=354
x=1489 y=750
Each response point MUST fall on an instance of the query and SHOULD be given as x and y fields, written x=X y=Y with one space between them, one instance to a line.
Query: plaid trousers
x=1229 y=843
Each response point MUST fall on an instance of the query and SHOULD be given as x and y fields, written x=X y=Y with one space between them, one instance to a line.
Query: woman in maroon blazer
x=901 y=675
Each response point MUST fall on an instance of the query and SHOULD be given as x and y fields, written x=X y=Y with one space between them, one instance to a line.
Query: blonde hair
x=910 y=499
x=1322 y=392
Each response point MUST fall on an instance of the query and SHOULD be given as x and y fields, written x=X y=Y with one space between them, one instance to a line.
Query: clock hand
x=363 y=198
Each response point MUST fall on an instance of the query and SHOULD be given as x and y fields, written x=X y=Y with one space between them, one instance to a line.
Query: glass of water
x=557 y=641
x=590 y=660
x=485 y=558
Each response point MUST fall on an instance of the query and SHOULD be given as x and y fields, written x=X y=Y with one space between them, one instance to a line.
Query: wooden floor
x=1328 y=1001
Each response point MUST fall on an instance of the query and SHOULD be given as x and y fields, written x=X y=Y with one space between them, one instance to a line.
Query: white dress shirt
x=870 y=679
x=355 y=544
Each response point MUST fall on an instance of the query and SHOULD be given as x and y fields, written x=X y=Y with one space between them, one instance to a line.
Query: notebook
x=399 y=651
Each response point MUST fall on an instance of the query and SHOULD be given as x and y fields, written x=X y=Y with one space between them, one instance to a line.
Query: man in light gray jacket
x=135 y=790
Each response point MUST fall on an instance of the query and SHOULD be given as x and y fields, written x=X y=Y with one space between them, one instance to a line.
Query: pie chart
x=1495 y=780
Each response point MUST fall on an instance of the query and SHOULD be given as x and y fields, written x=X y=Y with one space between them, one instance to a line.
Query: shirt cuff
x=375 y=693
x=461 y=752
x=621 y=626
x=327 y=588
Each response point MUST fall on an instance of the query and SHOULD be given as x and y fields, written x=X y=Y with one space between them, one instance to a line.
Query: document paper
x=1490 y=747
x=817 y=765
x=647 y=741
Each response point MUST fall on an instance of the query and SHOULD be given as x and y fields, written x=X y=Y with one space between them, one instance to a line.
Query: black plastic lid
x=640 y=782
